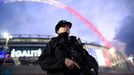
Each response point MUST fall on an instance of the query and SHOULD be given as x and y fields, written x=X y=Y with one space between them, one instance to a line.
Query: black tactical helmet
x=62 y=23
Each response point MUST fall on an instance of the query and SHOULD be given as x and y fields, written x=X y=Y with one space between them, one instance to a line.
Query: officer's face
x=63 y=29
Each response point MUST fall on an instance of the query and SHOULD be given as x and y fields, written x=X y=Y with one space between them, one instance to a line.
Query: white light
x=6 y=35
x=10 y=36
x=112 y=50
x=130 y=58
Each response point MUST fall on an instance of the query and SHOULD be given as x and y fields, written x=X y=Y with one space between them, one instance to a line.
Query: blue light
x=2 y=53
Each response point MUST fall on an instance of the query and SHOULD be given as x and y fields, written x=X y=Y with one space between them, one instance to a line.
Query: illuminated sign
x=26 y=53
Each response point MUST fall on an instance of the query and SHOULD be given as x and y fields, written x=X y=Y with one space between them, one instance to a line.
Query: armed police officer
x=62 y=53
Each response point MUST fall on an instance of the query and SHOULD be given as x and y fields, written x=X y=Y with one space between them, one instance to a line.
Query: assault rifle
x=88 y=64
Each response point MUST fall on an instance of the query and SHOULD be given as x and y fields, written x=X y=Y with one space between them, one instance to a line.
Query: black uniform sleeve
x=52 y=58
x=92 y=61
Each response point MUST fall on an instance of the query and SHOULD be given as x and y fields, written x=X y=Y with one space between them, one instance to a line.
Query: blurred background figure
x=8 y=59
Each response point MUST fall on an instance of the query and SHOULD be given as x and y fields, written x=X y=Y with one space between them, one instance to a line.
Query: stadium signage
x=25 y=53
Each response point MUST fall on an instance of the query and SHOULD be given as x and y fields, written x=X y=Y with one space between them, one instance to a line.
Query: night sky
x=126 y=30
x=113 y=18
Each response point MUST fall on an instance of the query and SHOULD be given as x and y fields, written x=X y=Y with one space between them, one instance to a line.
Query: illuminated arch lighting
x=72 y=11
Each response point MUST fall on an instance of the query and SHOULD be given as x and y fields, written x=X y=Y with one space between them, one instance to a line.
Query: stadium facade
x=25 y=50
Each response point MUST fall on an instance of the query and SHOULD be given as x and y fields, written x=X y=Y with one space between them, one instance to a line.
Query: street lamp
x=7 y=36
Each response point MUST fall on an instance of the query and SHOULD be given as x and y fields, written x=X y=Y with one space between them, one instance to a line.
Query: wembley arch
x=58 y=4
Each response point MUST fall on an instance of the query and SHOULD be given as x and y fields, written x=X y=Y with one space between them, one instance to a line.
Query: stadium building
x=25 y=50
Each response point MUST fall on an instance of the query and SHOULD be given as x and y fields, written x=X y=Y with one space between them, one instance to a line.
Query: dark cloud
x=126 y=31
